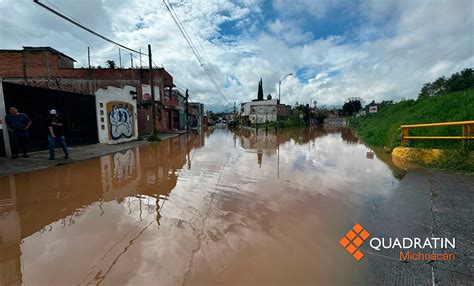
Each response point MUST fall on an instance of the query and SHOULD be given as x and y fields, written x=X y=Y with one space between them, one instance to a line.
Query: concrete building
x=258 y=112
x=183 y=118
x=196 y=114
x=44 y=68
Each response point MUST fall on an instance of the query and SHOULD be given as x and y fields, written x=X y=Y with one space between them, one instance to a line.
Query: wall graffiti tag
x=120 y=119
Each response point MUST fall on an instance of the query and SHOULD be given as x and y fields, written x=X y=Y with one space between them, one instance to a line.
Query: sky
x=335 y=49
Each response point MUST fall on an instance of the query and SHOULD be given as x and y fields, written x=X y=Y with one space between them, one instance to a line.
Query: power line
x=77 y=23
x=195 y=51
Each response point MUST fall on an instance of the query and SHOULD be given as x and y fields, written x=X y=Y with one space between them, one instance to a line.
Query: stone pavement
x=39 y=160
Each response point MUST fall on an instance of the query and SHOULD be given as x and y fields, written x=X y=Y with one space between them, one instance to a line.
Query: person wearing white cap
x=56 y=134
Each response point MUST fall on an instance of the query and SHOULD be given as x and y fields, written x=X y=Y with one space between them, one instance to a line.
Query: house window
x=65 y=63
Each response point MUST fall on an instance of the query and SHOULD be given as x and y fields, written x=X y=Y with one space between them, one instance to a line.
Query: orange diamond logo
x=353 y=239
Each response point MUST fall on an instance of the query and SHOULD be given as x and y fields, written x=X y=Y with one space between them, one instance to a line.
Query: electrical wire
x=77 y=23
x=69 y=18
x=195 y=51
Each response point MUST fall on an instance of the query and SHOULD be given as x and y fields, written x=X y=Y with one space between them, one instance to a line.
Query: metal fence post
x=404 y=135
x=3 y=112
x=465 y=135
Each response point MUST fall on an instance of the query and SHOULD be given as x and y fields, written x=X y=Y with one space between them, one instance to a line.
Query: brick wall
x=42 y=69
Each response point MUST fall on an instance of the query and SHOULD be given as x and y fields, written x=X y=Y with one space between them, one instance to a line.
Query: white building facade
x=262 y=111
x=116 y=114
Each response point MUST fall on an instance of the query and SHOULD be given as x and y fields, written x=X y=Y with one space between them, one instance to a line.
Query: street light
x=279 y=84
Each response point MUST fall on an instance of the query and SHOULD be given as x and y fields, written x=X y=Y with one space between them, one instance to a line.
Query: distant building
x=257 y=112
x=260 y=111
x=196 y=114
x=182 y=111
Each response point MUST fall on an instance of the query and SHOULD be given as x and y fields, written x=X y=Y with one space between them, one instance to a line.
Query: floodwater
x=218 y=207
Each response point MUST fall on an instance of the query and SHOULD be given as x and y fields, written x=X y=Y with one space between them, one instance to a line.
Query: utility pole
x=152 y=87
x=187 y=111
x=89 y=57
x=279 y=88
x=131 y=60
x=140 y=58
x=120 y=59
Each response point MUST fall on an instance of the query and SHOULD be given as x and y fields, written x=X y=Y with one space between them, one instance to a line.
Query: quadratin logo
x=353 y=239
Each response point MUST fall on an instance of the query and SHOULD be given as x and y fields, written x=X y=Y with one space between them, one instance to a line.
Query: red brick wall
x=145 y=121
x=41 y=68
x=11 y=64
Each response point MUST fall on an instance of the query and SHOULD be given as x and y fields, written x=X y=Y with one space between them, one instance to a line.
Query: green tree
x=352 y=105
x=426 y=91
x=260 y=90
x=458 y=81
x=110 y=64
x=435 y=88
x=461 y=81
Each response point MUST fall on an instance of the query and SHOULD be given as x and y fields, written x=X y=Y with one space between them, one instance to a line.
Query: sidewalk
x=39 y=160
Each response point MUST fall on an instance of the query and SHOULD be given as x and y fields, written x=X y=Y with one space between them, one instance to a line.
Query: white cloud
x=397 y=47
x=290 y=33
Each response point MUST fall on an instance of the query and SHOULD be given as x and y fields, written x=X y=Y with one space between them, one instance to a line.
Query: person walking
x=18 y=125
x=56 y=134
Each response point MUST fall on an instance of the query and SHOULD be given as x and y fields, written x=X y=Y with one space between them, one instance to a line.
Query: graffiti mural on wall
x=120 y=119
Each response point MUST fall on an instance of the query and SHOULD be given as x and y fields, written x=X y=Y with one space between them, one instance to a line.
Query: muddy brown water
x=218 y=207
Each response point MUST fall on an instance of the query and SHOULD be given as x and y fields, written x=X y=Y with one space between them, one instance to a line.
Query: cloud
x=318 y=9
x=288 y=32
x=336 y=49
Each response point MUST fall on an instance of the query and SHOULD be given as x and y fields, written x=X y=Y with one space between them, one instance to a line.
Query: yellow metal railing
x=467 y=131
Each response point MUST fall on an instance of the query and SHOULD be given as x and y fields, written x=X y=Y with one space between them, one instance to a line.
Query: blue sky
x=375 y=49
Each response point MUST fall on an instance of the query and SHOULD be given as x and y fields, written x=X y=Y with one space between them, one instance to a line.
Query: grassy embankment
x=383 y=129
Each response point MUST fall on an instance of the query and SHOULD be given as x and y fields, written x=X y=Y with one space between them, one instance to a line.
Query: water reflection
x=267 y=141
x=48 y=201
x=203 y=209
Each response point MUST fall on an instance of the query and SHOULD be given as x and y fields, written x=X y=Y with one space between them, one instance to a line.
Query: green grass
x=383 y=128
x=456 y=160
x=153 y=138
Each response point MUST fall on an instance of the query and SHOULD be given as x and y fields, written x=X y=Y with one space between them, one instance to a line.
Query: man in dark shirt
x=18 y=125
x=56 y=134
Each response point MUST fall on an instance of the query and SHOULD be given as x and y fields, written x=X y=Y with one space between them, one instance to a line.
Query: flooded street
x=218 y=207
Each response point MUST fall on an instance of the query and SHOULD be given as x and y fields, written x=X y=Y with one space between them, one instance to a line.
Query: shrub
x=153 y=138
